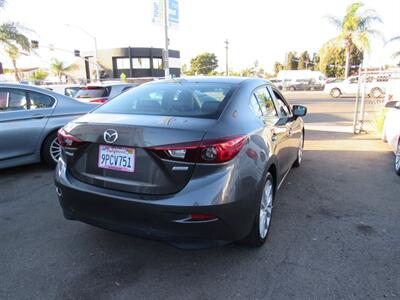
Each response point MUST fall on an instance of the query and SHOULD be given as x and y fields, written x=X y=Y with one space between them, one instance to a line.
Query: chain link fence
x=371 y=98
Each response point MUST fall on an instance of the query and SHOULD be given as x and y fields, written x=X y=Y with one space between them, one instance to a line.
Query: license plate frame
x=116 y=158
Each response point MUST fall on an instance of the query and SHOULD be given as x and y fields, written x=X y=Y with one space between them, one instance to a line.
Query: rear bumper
x=162 y=217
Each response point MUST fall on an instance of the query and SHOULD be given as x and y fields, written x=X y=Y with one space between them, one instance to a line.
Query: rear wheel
x=335 y=93
x=376 y=93
x=292 y=88
x=51 y=150
x=397 y=159
x=262 y=222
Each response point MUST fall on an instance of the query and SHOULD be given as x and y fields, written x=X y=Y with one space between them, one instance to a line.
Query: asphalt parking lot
x=335 y=234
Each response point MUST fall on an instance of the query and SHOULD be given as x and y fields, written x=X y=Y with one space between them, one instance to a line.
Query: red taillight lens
x=66 y=140
x=202 y=217
x=98 y=100
x=209 y=151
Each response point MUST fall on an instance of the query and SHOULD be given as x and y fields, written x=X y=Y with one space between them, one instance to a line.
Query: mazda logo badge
x=110 y=136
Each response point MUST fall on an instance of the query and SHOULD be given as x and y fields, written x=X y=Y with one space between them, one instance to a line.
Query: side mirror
x=393 y=104
x=299 y=110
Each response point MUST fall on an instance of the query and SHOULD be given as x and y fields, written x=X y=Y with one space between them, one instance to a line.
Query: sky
x=261 y=30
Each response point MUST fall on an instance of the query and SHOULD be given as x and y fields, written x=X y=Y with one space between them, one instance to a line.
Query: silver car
x=29 y=119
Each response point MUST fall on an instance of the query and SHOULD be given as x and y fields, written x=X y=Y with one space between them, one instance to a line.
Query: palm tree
x=394 y=39
x=355 y=29
x=13 y=53
x=59 y=68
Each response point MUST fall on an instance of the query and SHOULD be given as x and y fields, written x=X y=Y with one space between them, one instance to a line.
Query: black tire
x=299 y=158
x=292 y=88
x=254 y=239
x=397 y=159
x=335 y=93
x=376 y=93
x=47 y=157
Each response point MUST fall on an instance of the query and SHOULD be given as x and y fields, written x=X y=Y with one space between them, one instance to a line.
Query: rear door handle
x=37 y=116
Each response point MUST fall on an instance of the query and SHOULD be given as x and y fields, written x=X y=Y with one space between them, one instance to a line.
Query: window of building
x=157 y=63
x=141 y=63
x=123 y=63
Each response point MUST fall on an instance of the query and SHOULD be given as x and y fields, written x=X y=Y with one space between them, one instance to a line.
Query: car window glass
x=255 y=107
x=38 y=100
x=201 y=100
x=13 y=100
x=266 y=102
x=3 y=100
x=353 y=80
x=282 y=107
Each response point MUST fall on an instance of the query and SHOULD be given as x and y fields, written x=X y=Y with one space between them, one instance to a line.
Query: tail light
x=390 y=97
x=202 y=217
x=210 y=151
x=98 y=100
x=67 y=140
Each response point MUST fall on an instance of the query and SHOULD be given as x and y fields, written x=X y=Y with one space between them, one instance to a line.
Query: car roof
x=210 y=79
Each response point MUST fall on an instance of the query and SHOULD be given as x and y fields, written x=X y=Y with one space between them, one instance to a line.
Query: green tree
x=203 y=63
x=332 y=58
x=59 y=69
x=278 y=67
x=39 y=75
x=304 y=61
x=356 y=29
x=292 y=61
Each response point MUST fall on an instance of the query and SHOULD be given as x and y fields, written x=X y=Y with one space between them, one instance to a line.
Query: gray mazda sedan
x=186 y=160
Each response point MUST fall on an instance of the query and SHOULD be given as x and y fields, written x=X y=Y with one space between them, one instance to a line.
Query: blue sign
x=173 y=12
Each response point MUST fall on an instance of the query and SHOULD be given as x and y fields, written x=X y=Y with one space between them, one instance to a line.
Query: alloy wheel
x=266 y=208
x=397 y=159
x=55 y=150
x=301 y=147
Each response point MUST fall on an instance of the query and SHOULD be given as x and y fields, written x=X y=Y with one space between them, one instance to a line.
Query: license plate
x=116 y=158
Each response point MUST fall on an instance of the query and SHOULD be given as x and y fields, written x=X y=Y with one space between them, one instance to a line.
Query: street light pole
x=226 y=57
x=95 y=48
x=166 y=51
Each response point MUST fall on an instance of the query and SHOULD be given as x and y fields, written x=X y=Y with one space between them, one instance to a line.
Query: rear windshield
x=92 y=92
x=201 y=100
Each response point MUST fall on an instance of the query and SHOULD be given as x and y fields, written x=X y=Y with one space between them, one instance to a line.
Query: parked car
x=64 y=89
x=277 y=82
x=349 y=87
x=29 y=119
x=304 y=85
x=186 y=160
x=391 y=130
x=100 y=93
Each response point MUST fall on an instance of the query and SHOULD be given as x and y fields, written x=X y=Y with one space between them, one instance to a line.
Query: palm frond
x=335 y=21
x=396 y=55
x=10 y=34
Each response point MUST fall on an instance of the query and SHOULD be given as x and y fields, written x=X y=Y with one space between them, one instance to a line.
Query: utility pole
x=226 y=57
x=166 y=52
x=95 y=48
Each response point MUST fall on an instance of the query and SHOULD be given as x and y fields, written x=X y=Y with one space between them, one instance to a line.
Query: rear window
x=201 y=100
x=92 y=92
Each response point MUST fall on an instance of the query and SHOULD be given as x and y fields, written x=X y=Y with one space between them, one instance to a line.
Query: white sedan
x=391 y=130
x=349 y=87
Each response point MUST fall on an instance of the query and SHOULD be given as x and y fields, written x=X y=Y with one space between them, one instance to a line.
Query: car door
x=274 y=129
x=293 y=128
x=351 y=86
x=23 y=116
